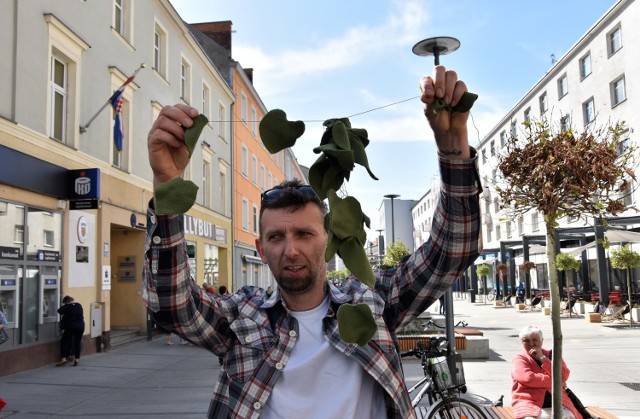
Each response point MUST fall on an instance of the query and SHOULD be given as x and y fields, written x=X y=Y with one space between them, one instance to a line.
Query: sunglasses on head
x=275 y=193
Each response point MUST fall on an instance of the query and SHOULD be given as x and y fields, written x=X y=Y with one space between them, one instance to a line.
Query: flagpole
x=83 y=128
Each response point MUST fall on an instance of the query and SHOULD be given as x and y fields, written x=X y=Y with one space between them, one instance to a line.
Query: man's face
x=293 y=245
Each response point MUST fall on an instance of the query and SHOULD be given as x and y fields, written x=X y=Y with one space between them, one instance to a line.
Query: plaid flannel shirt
x=255 y=335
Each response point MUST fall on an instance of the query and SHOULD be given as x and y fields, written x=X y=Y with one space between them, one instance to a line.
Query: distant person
x=222 y=290
x=442 y=308
x=269 y=291
x=72 y=325
x=531 y=375
x=520 y=293
x=209 y=288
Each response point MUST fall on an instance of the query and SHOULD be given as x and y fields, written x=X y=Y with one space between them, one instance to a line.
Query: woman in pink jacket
x=531 y=374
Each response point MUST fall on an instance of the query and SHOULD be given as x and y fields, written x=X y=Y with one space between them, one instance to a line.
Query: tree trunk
x=556 y=376
x=629 y=296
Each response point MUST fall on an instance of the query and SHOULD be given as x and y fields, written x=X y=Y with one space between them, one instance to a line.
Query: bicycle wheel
x=455 y=408
x=491 y=296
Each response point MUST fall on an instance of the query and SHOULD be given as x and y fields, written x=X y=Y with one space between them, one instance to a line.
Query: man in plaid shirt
x=282 y=355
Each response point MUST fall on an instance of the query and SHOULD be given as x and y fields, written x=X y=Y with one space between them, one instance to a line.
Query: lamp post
x=380 y=246
x=393 y=231
x=437 y=46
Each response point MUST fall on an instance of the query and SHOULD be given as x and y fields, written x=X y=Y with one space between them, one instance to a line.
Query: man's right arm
x=169 y=291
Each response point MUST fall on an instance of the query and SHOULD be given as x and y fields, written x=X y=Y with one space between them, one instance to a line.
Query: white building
x=594 y=83
x=62 y=60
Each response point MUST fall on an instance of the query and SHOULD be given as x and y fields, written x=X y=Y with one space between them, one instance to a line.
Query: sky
x=353 y=58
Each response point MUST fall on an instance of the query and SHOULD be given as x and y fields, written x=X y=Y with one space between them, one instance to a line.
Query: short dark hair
x=290 y=194
x=67 y=299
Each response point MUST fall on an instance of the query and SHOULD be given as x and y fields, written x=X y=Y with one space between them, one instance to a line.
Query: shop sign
x=48 y=256
x=9 y=252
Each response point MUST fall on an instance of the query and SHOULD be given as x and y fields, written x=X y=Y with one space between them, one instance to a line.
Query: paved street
x=151 y=379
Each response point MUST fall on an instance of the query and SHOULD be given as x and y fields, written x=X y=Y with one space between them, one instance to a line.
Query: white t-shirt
x=319 y=382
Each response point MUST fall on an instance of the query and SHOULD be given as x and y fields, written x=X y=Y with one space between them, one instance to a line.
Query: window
x=245 y=214
x=243 y=108
x=263 y=179
x=64 y=65
x=615 y=40
x=503 y=138
x=508 y=229
x=563 y=86
x=527 y=114
x=245 y=161
x=585 y=66
x=222 y=196
x=206 y=101
x=270 y=180
x=118 y=17
x=484 y=155
x=493 y=148
x=618 y=93
x=520 y=226
x=498 y=235
x=565 y=122
x=489 y=234
x=496 y=205
x=544 y=104
x=48 y=238
x=254 y=170
x=534 y=221
x=160 y=51
x=254 y=122
x=185 y=81
x=18 y=234
x=514 y=129
x=58 y=99
x=206 y=183
x=222 y=132
x=255 y=219
x=589 y=111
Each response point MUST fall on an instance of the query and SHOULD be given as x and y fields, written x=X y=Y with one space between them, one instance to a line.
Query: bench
x=507 y=413
x=409 y=342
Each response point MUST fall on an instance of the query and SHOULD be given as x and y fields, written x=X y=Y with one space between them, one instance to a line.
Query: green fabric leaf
x=192 y=133
x=325 y=175
x=359 y=155
x=340 y=135
x=346 y=215
x=464 y=105
x=176 y=196
x=344 y=158
x=278 y=133
x=355 y=258
x=356 y=323
x=332 y=248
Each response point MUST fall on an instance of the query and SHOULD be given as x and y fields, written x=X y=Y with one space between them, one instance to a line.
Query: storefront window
x=211 y=264
x=11 y=230
x=45 y=235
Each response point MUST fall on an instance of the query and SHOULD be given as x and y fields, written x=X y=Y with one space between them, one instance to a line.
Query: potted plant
x=627 y=259
x=482 y=271
x=567 y=262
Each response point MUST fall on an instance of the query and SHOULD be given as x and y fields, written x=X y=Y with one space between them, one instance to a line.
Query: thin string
x=322 y=120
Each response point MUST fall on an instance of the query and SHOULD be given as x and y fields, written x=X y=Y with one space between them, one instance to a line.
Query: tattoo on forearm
x=454 y=152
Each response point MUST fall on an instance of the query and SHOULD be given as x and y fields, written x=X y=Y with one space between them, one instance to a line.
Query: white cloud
x=287 y=68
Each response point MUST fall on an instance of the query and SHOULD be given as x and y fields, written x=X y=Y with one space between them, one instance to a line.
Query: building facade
x=592 y=85
x=72 y=203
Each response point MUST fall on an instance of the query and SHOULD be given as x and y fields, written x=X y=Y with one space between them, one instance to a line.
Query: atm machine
x=50 y=297
x=9 y=295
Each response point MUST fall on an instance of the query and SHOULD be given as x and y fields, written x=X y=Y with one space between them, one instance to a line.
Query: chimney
x=220 y=32
x=249 y=73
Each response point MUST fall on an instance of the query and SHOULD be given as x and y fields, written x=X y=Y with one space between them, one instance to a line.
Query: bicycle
x=443 y=382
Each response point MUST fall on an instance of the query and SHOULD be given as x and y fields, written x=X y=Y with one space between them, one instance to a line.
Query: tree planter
x=635 y=314
x=581 y=308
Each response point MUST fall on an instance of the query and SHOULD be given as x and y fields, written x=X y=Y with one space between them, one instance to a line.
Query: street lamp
x=437 y=46
x=393 y=232
x=380 y=246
